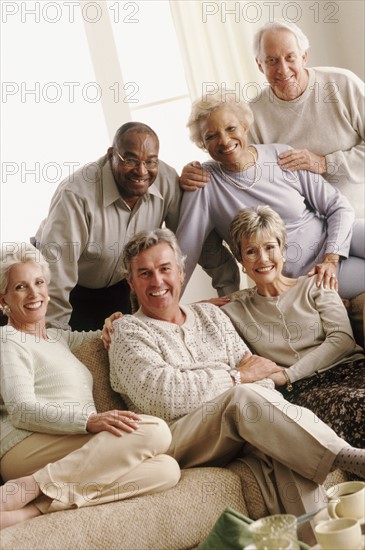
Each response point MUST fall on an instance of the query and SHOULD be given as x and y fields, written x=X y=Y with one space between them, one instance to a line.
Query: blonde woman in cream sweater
x=57 y=452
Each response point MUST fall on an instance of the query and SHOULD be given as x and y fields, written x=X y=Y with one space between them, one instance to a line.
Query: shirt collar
x=111 y=192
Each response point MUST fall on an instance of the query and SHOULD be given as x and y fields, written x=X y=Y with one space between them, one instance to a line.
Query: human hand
x=108 y=328
x=193 y=176
x=278 y=378
x=113 y=422
x=253 y=368
x=302 y=159
x=219 y=301
x=326 y=272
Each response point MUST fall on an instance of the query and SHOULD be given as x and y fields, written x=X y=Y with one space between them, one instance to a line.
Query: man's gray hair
x=302 y=40
x=14 y=253
x=146 y=239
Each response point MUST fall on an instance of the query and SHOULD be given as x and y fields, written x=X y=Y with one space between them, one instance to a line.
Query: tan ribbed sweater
x=305 y=329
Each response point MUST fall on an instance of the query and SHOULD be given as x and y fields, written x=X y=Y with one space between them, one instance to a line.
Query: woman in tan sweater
x=302 y=327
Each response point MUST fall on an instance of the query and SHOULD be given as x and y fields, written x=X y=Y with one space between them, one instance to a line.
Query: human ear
x=130 y=282
x=259 y=65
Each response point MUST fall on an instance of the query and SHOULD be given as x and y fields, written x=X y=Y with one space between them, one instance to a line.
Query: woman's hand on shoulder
x=113 y=422
x=193 y=176
x=326 y=272
x=108 y=329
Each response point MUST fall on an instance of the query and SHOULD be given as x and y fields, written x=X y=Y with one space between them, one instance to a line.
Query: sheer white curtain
x=216 y=38
x=216 y=47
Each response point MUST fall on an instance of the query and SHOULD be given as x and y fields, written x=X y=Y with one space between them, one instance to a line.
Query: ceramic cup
x=284 y=525
x=347 y=500
x=339 y=534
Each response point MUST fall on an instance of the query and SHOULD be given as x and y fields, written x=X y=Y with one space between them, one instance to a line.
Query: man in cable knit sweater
x=319 y=112
x=188 y=365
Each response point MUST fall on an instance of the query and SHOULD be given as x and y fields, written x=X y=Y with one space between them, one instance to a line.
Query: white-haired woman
x=57 y=452
x=322 y=235
x=303 y=329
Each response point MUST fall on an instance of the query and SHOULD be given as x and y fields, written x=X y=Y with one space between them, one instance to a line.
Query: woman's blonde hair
x=14 y=253
x=251 y=222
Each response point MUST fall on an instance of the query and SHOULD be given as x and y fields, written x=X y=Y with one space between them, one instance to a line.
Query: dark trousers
x=91 y=306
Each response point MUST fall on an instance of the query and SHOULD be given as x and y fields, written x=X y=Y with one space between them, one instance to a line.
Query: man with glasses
x=93 y=213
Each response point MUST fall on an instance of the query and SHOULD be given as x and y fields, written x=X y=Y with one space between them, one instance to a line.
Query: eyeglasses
x=133 y=163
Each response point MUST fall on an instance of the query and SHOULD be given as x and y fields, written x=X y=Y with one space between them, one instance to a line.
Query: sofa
x=177 y=519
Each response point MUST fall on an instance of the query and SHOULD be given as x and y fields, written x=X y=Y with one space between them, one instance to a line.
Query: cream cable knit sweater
x=44 y=387
x=167 y=370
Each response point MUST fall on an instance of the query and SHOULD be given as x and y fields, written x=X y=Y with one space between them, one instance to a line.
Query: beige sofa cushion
x=177 y=519
x=95 y=357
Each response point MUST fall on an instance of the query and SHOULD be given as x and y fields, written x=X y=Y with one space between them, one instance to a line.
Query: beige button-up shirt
x=88 y=225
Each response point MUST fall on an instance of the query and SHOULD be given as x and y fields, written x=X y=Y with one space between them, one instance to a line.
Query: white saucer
x=323 y=516
x=319 y=547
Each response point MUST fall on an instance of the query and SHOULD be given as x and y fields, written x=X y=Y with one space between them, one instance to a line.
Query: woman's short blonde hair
x=253 y=222
x=14 y=253
x=201 y=109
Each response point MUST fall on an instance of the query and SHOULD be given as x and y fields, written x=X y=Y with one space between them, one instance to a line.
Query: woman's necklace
x=231 y=180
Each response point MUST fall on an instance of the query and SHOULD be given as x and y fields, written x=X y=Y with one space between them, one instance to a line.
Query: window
x=154 y=82
x=53 y=104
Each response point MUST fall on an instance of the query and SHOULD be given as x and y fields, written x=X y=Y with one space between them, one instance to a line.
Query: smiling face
x=262 y=258
x=225 y=137
x=156 y=279
x=133 y=182
x=26 y=295
x=283 y=64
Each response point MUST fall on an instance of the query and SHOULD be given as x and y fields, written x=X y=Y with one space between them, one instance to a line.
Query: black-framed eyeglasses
x=134 y=163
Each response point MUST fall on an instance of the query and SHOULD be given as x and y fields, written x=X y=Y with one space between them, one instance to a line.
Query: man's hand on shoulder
x=302 y=159
x=193 y=176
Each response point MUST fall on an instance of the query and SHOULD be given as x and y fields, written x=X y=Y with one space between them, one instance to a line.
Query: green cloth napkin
x=230 y=532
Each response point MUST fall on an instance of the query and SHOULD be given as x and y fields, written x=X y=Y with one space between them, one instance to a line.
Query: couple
x=188 y=366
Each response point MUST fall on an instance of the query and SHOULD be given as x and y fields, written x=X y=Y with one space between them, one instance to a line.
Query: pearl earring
x=6 y=309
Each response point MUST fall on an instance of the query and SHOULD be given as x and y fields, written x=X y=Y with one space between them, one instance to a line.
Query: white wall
x=43 y=136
